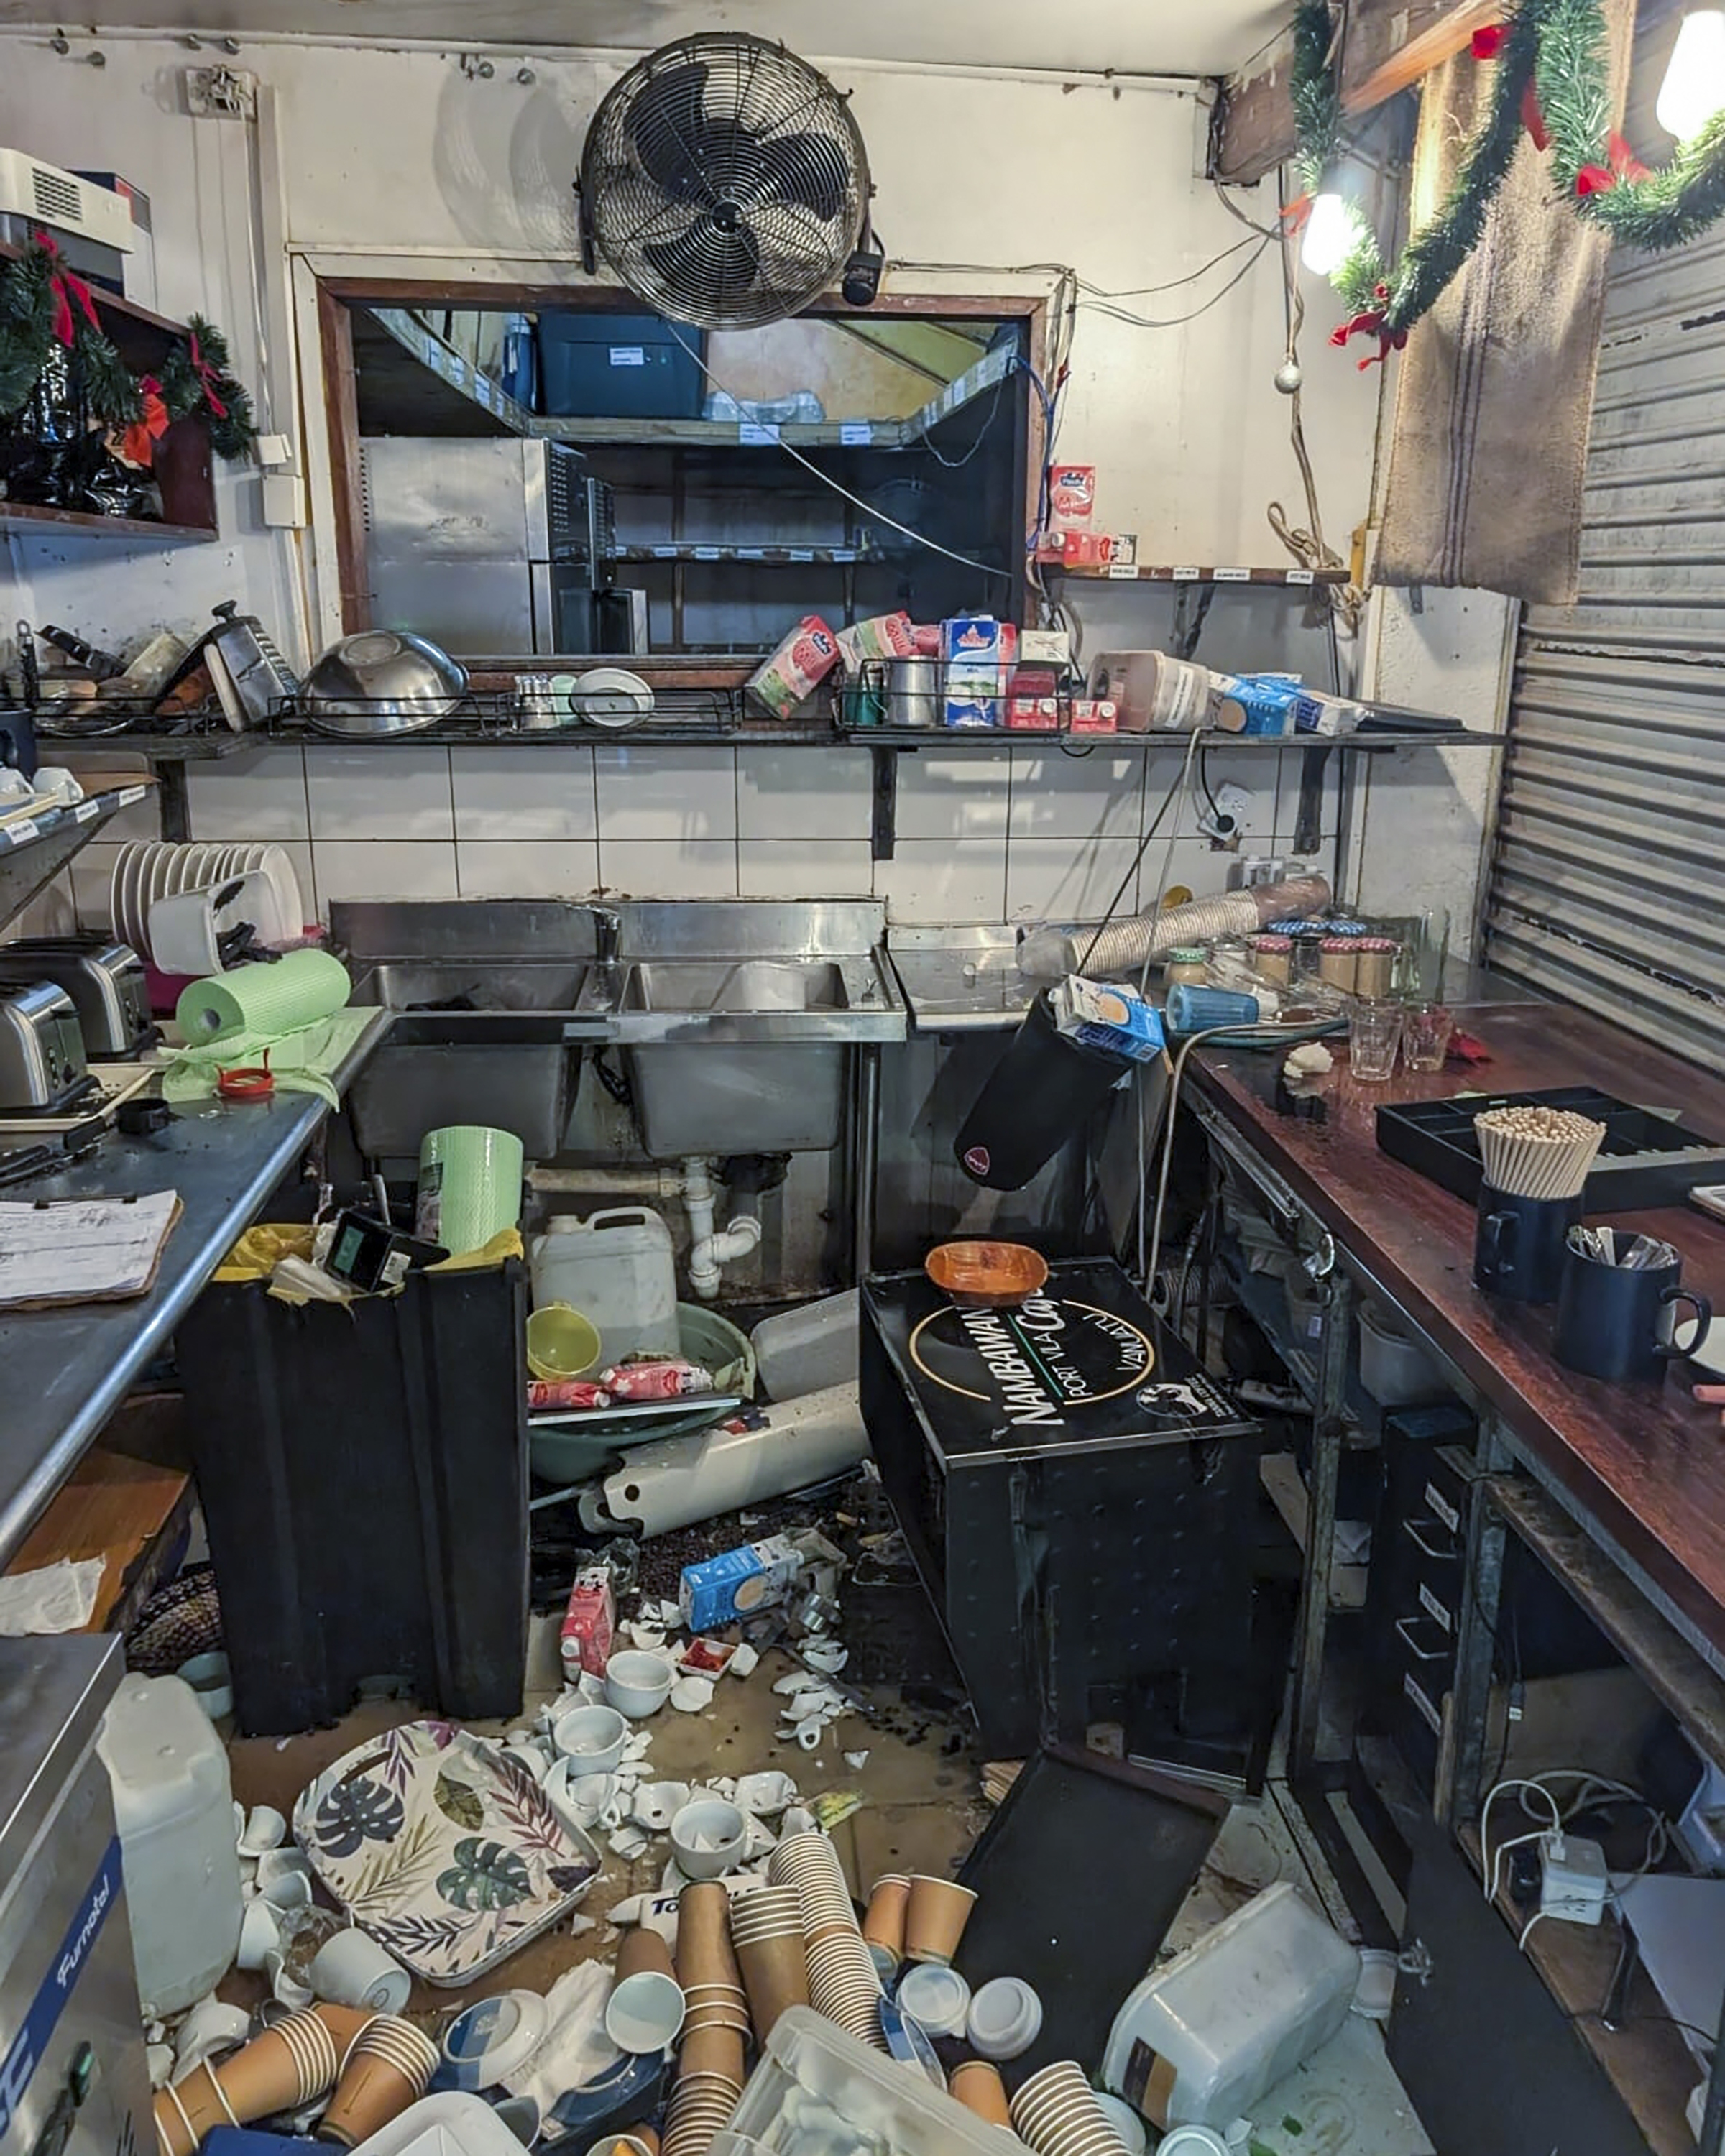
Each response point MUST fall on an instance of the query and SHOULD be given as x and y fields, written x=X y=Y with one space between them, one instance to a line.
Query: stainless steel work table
x=65 y=1370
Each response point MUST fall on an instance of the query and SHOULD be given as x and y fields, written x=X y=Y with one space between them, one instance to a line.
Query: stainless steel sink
x=460 y=987
x=737 y=1017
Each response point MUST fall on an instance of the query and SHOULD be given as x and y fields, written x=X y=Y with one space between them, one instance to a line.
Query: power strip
x=1573 y=1884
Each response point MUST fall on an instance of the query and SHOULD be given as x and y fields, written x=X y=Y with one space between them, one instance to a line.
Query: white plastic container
x=809 y=1348
x=1393 y=1368
x=617 y=1268
x=1205 y=2036
x=173 y=1805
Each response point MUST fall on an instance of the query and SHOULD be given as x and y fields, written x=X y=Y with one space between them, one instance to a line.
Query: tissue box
x=1315 y=713
x=721 y=1589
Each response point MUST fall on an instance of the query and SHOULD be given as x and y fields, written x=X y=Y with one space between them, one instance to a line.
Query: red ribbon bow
x=1371 y=324
x=66 y=287
x=1487 y=45
x=1624 y=164
x=136 y=444
x=209 y=377
x=1296 y=215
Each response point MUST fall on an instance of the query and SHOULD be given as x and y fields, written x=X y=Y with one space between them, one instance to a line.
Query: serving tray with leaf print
x=443 y=1847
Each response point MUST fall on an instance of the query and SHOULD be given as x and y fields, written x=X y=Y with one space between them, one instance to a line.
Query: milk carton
x=974 y=647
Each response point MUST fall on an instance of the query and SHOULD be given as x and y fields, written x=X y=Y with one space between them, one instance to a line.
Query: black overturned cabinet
x=363 y=1475
x=1078 y=1496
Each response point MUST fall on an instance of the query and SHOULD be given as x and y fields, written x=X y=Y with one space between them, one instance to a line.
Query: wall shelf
x=459 y=374
x=1127 y=572
x=183 y=468
x=37 y=518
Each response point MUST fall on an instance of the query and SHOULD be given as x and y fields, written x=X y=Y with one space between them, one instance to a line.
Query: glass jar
x=1186 y=963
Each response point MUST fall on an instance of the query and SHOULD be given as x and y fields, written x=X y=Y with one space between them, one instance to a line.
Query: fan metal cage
x=724 y=182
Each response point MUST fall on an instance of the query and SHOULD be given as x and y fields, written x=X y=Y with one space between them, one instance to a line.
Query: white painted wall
x=395 y=158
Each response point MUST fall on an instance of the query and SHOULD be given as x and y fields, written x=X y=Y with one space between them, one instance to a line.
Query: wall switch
x=274 y=450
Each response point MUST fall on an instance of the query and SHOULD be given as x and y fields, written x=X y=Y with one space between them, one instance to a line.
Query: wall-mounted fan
x=724 y=181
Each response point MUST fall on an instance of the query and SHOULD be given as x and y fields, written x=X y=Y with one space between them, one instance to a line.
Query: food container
x=1187 y=962
x=618 y=1269
x=1338 y=962
x=173 y=1805
x=1272 y=956
x=1205 y=2036
x=1393 y=1368
x=1374 y=965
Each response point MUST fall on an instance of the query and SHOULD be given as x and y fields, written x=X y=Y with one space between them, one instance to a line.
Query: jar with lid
x=1374 y=964
x=1187 y=962
x=1337 y=962
x=1272 y=956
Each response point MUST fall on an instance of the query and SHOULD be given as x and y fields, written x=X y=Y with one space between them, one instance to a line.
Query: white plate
x=610 y=697
x=278 y=865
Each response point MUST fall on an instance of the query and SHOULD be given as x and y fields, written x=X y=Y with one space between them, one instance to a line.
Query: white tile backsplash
x=1069 y=878
x=669 y=868
x=526 y=868
x=953 y=794
x=1056 y=795
x=523 y=793
x=386 y=793
x=383 y=868
x=667 y=793
x=805 y=868
x=259 y=793
x=803 y=793
x=932 y=880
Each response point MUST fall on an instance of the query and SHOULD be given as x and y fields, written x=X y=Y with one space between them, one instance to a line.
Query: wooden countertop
x=1645 y=1460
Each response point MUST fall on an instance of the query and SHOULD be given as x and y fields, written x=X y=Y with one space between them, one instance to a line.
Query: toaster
x=42 y=1063
x=105 y=981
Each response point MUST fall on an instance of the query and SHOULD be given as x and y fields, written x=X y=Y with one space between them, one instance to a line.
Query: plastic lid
x=1187 y=954
x=1338 y=943
x=1271 y=943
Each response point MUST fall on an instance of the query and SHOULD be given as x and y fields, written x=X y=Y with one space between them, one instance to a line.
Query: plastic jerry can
x=173 y=1805
x=618 y=1269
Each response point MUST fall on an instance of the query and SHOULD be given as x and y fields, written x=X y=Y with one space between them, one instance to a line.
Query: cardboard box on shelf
x=1071 y=497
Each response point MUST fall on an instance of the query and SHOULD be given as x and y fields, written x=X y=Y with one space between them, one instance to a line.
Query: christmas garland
x=44 y=304
x=1551 y=80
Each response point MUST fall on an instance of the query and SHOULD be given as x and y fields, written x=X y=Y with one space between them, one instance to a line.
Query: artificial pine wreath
x=44 y=304
x=1551 y=80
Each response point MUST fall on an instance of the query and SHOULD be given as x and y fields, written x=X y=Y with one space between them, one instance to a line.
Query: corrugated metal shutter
x=1608 y=884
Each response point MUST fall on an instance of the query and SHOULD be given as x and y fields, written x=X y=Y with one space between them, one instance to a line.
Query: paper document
x=82 y=1249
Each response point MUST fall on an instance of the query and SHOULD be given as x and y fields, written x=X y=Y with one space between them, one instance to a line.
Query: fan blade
x=704 y=263
x=670 y=133
x=808 y=169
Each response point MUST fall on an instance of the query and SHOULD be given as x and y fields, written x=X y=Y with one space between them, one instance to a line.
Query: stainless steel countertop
x=67 y=1369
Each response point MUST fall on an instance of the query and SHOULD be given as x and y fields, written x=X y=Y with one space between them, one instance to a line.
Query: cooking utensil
x=913 y=692
x=610 y=697
x=380 y=682
x=260 y=677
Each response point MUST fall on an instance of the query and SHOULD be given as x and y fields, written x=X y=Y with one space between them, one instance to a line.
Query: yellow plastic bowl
x=561 y=1342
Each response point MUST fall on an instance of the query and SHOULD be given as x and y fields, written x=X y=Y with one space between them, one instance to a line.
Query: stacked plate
x=1056 y=2114
x=700 y=2108
x=150 y=869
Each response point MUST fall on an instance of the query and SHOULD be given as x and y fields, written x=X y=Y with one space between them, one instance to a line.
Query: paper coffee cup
x=372 y=2091
x=704 y=1953
x=775 y=1972
x=978 y=2086
x=644 y=1950
x=935 y=1917
x=884 y=1924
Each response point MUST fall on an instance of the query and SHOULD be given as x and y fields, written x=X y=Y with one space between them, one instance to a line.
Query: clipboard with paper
x=82 y=1249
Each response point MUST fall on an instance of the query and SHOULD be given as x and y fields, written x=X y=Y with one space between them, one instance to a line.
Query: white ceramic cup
x=636 y=1683
x=351 y=1969
x=260 y=1933
x=707 y=1838
x=265 y=1829
x=211 y=2026
x=592 y=1739
x=284 y=1878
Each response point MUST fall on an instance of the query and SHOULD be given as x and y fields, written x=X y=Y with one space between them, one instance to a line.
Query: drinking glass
x=1425 y=1036
x=1374 y=1032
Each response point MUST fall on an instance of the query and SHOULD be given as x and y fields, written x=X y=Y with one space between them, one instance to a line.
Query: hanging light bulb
x=1331 y=232
x=1694 y=86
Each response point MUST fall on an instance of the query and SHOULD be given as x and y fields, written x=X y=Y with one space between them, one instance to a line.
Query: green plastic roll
x=298 y=989
x=469 y=1186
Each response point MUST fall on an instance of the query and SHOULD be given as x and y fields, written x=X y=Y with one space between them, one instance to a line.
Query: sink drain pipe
x=712 y=1248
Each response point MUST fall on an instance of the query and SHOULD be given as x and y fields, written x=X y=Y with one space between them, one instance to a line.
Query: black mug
x=1618 y=1322
x=1518 y=1245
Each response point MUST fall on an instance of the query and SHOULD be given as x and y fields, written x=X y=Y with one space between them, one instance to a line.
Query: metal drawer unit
x=72 y=2072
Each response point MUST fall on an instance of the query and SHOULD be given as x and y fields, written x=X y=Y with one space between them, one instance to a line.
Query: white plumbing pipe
x=712 y=1249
